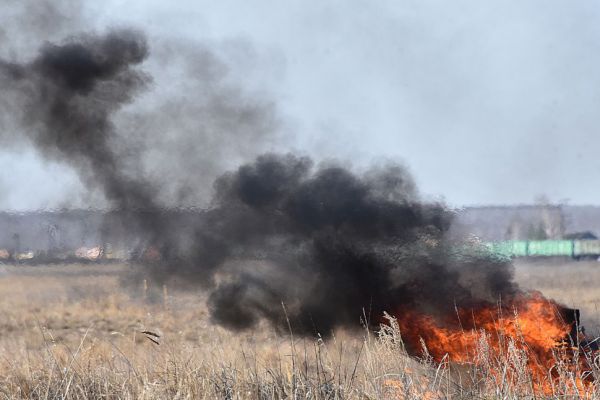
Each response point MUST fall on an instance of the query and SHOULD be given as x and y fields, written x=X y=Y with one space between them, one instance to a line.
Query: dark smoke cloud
x=195 y=118
x=324 y=241
x=197 y=112
x=329 y=245
x=66 y=97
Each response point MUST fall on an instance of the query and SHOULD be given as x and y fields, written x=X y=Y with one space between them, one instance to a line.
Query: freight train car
x=586 y=249
x=576 y=249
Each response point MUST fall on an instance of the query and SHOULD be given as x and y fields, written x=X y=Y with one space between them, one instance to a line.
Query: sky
x=485 y=102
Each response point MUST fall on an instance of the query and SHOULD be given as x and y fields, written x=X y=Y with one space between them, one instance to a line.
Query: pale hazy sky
x=485 y=101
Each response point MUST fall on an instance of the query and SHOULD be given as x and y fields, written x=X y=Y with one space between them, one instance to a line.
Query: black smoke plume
x=327 y=244
x=331 y=245
x=67 y=96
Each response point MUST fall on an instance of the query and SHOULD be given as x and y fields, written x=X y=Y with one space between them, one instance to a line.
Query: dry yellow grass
x=73 y=332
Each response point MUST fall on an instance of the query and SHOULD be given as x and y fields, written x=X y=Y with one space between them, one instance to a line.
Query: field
x=75 y=332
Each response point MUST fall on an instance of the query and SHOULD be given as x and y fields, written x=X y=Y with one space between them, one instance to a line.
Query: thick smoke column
x=67 y=96
x=86 y=101
x=327 y=243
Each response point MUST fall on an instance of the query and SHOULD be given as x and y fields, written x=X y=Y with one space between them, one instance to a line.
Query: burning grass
x=69 y=332
x=529 y=323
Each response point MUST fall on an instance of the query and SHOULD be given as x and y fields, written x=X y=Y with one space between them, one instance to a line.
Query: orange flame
x=529 y=323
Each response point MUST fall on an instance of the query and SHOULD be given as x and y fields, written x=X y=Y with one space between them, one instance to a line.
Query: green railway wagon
x=550 y=248
x=586 y=248
x=509 y=248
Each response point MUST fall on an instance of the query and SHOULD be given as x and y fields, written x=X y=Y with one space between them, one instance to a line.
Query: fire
x=536 y=328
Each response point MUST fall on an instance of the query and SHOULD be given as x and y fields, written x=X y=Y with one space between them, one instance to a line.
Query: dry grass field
x=74 y=332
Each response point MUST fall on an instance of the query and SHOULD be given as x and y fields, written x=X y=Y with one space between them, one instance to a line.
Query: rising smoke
x=327 y=243
x=335 y=245
x=67 y=95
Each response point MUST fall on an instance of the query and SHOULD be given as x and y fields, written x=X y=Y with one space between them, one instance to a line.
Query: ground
x=73 y=331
